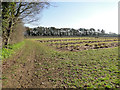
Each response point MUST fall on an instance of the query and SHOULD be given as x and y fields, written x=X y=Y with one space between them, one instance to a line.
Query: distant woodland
x=52 y=31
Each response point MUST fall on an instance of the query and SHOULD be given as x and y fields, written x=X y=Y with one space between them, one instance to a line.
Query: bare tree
x=14 y=12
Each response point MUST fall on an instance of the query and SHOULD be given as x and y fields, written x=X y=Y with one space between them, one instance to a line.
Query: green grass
x=7 y=52
x=90 y=68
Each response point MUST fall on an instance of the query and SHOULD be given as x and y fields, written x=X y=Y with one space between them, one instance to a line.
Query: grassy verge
x=7 y=52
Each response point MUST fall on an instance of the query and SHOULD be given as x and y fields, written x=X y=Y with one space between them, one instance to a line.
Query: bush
x=7 y=52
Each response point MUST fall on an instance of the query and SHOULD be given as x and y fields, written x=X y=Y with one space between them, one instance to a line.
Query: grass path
x=39 y=66
x=17 y=68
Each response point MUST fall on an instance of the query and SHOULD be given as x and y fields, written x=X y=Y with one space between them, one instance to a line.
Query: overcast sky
x=98 y=15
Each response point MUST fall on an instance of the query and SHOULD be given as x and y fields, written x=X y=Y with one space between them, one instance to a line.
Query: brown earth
x=81 y=42
x=42 y=41
x=87 y=46
x=19 y=70
x=59 y=40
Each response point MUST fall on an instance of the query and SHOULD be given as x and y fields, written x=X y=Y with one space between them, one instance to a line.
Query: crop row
x=81 y=42
x=77 y=39
x=78 y=44
x=60 y=40
x=86 y=46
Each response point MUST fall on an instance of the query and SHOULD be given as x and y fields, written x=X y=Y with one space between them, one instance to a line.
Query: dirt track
x=20 y=70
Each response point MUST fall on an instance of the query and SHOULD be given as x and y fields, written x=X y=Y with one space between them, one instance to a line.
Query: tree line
x=52 y=31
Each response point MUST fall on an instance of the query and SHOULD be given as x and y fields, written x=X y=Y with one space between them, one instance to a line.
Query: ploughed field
x=80 y=44
x=73 y=62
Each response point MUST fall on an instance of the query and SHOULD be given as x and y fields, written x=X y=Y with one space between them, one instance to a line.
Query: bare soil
x=87 y=46
x=19 y=70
